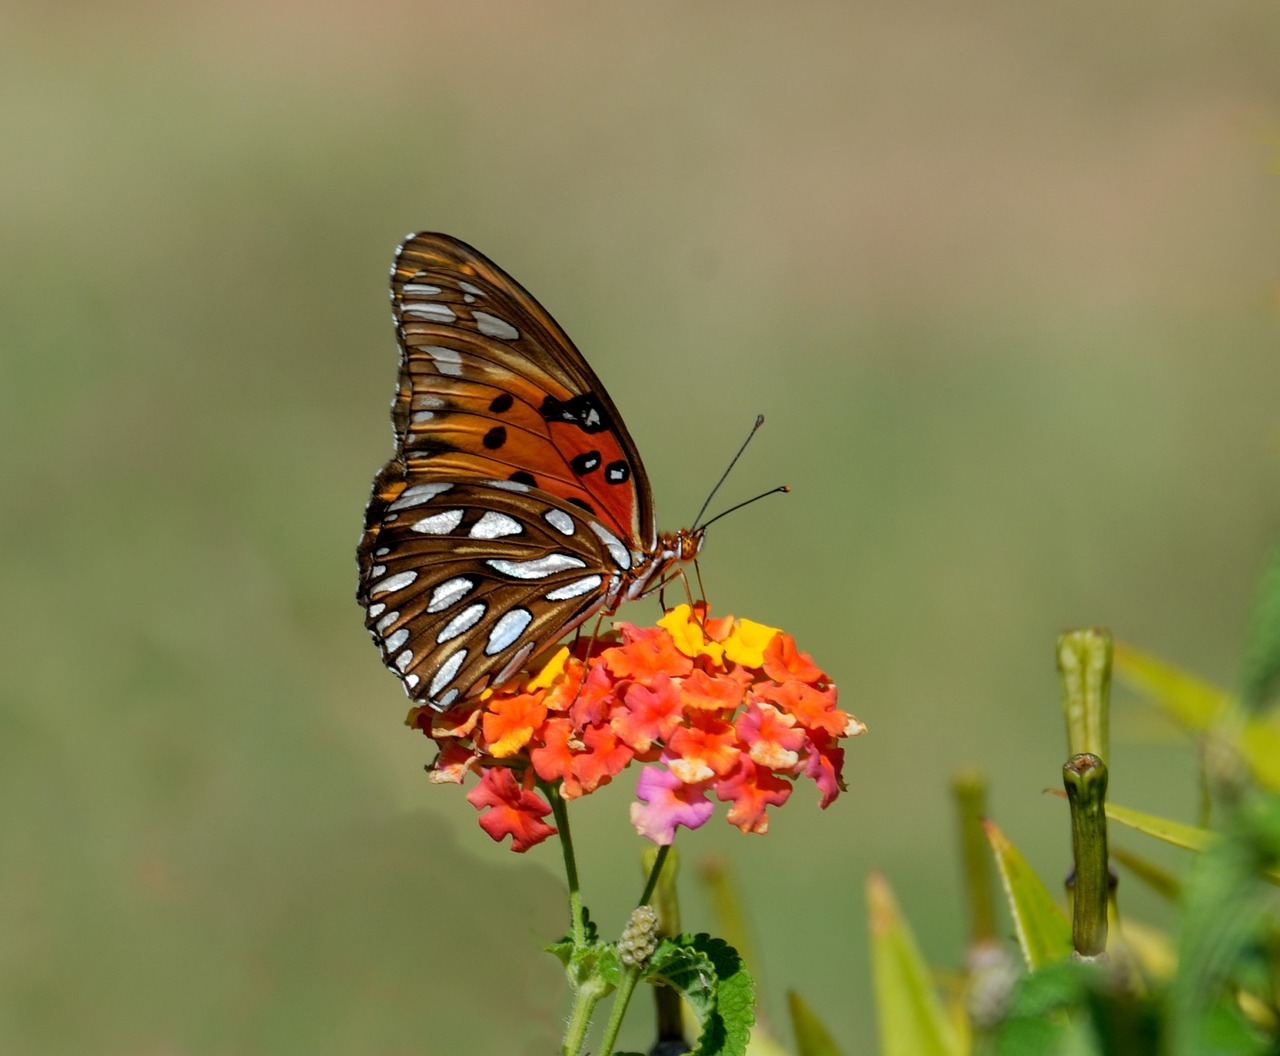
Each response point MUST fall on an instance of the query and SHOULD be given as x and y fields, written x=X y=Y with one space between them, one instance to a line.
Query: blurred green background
x=1003 y=277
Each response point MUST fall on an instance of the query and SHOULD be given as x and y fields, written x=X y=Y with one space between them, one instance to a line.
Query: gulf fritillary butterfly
x=516 y=505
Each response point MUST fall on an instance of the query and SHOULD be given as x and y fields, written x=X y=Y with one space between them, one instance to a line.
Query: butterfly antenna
x=725 y=513
x=724 y=476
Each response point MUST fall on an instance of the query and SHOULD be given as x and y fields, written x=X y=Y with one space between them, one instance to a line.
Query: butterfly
x=515 y=506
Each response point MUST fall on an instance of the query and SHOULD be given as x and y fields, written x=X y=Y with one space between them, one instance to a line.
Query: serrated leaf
x=812 y=1036
x=1044 y=933
x=715 y=983
x=911 y=1018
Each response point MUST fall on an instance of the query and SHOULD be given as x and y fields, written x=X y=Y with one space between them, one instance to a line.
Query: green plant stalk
x=621 y=998
x=560 y=811
x=970 y=790
x=1085 y=779
x=667 y=1006
x=655 y=870
x=1084 y=665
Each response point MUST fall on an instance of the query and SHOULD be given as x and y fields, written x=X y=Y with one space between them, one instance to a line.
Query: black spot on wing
x=502 y=404
x=522 y=477
x=581 y=410
x=585 y=462
x=617 y=472
x=495 y=437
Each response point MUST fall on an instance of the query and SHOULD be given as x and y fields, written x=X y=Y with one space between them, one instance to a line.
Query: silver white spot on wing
x=422 y=416
x=446 y=673
x=507 y=485
x=382 y=551
x=575 y=589
x=620 y=554
x=397 y=582
x=492 y=326
x=376 y=610
x=448 y=592
x=438 y=523
x=404 y=660
x=507 y=630
x=447 y=360
x=494 y=525
x=418 y=494
x=383 y=624
x=397 y=640
x=411 y=681
x=447 y=699
x=464 y=621
x=515 y=663
x=420 y=289
x=437 y=313
x=377 y=570
x=559 y=520
x=538 y=568
x=466 y=287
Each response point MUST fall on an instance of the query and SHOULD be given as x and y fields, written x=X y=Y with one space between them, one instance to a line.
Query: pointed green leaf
x=812 y=1036
x=911 y=1018
x=1156 y=877
x=1177 y=833
x=1200 y=707
x=1043 y=931
x=1190 y=701
x=711 y=977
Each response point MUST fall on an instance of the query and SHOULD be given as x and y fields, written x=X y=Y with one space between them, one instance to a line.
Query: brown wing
x=492 y=388
x=463 y=581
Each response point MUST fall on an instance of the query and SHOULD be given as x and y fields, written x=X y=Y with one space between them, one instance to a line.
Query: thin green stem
x=658 y=861
x=560 y=811
x=620 y=1001
x=575 y=1034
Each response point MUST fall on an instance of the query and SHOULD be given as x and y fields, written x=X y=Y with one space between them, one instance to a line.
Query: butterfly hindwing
x=463 y=581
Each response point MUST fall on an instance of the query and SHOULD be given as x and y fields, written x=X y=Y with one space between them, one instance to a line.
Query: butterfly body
x=516 y=505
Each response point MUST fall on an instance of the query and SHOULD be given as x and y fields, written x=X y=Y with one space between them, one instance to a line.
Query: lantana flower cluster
x=713 y=709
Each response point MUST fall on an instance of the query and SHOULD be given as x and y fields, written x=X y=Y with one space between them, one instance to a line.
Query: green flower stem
x=626 y=987
x=560 y=811
x=1085 y=778
x=654 y=873
x=585 y=999
x=1084 y=663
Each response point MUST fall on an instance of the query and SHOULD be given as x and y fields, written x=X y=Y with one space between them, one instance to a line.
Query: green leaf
x=1190 y=701
x=1043 y=931
x=1156 y=877
x=911 y=1018
x=715 y=983
x=1262 y=644
x=1175 y=832
x=812 y=1036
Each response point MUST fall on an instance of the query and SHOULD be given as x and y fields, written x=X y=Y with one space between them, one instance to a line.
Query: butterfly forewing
x=491 y=387
x=515 y=505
